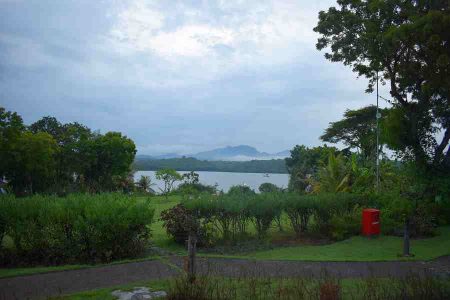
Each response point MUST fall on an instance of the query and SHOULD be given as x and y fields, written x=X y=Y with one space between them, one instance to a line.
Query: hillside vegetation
x=193 y=164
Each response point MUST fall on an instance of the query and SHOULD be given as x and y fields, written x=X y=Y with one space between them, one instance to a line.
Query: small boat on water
x=266 y=175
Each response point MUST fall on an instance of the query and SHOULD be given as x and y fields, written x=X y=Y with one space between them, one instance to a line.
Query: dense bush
x=179 y=222
x=328 y=205
x=336 y=216
x=196 y=188
x=345 y=225
x=299 y=209
x=263 y=210
x=78 y=228
x=268 y=187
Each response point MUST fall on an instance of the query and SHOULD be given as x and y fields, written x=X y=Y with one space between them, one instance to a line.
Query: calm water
x=225 y=180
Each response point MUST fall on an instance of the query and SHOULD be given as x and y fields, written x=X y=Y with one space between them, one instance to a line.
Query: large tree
x=11 y=127
x=305 y=162
x=357 y=130
x=34 y=168
x=111 y=155
x=72 y=140
x=407 y=44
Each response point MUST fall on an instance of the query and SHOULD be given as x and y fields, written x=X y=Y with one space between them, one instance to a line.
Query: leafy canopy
x=357 y=130
x=407 y=43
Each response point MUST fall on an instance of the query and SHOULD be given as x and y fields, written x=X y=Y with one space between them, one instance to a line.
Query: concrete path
x=42 y=286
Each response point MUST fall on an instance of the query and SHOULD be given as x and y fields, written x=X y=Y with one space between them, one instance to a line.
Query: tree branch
x=440 y=149
x=394 y=91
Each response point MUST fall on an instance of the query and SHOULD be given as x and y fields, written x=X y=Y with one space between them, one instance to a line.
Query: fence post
x=192 y=248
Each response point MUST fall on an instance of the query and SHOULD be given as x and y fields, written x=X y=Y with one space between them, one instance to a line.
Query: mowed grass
x=159 y=236
x=383 y=248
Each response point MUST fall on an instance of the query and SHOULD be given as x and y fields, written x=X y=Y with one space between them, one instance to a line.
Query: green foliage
x=179 y=222
x=189 y=191
x=50 y=157
x=262 y=210
x=335 y=175
x=357 y=130
x=299 y=209
x=78 y=228
x=169 y=176
x=304 y=163
x=346 y=225
x=112 y=155
x=326 y=206
x=268 y=187
x=35 y=162
x=240 y=190
x=229 y=214
x=406 y=43
x=145 y=184
x=191 y=178
x=193 y=164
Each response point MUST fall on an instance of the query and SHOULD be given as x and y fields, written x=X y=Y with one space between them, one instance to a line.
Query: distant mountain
x=285 y=153
x=167 y=156
x=229 y=153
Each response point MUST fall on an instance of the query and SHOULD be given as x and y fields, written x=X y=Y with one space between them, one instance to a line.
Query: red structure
x=371 y=222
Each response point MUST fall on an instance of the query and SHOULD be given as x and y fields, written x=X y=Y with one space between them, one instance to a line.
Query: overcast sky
x=176 y=76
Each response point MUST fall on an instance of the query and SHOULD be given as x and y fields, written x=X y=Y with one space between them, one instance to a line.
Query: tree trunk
x=406 y=238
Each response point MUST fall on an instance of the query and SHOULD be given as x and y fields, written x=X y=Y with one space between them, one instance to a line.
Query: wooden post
x=406 y=238
x=192 y=248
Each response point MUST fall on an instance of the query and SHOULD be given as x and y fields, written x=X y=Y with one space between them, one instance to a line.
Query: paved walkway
x=42 y=286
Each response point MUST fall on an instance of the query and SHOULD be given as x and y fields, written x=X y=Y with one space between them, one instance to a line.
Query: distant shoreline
x=218 y=171
x=273 y=166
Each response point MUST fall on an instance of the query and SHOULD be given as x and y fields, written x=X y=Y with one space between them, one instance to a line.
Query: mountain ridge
x=227 y=153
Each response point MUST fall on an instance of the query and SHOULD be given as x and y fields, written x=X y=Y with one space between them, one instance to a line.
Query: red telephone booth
x=370 y=222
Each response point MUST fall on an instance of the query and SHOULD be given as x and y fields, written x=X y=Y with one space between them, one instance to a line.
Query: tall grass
x=297 y=288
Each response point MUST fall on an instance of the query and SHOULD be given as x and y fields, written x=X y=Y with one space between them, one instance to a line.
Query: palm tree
x=335 y=176
x=145 y=183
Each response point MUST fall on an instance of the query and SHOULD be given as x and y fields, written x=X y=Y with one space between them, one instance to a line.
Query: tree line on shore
x=193 y=164
x=50 y=157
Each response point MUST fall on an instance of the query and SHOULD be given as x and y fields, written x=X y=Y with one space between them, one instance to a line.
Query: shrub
x=240 y=190
x=328 y=205
x=196 y=188
x=299 y=209
x=268 y=187
x=346 y=225
x=228 y=213
x=263 y=209
x=180 y=222
x=78 y=228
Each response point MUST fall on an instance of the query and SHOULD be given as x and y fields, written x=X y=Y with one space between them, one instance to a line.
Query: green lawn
x=159 y=236
x=360 y=249
x=105 y=294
